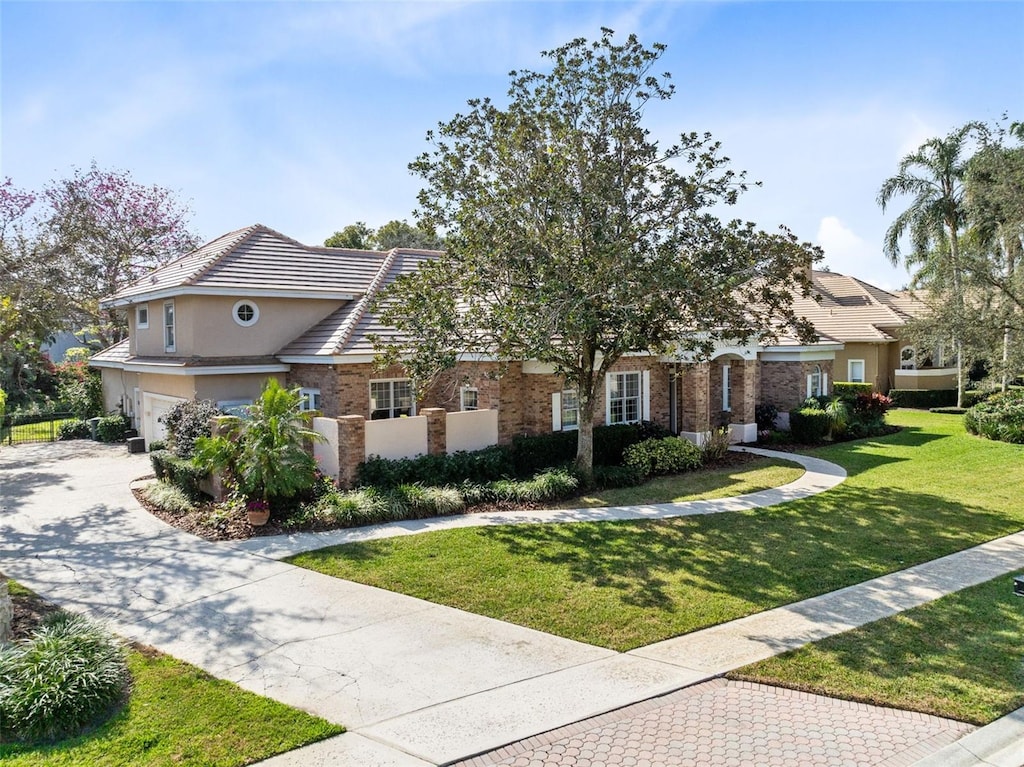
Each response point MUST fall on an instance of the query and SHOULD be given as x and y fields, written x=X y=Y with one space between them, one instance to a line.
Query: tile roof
x=851 y=310
x=347 y=330
x=258 y=258
x=112 y=354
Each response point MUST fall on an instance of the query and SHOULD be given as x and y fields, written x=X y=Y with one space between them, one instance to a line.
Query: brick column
x=351 y=447
x=701 y=398
x=437 y=429
x=751 y=386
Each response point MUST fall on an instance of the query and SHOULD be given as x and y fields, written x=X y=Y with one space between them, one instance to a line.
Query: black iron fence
x=18 y=428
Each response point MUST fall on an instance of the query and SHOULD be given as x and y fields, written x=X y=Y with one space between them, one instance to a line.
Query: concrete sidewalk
x=416 y=683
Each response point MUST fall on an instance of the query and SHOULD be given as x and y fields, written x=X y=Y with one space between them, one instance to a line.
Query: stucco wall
x=205 y=327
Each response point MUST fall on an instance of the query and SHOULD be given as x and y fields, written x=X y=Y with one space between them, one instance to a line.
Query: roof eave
x=191 y=290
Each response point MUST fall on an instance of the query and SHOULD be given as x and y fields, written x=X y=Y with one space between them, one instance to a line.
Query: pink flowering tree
x=108 y=231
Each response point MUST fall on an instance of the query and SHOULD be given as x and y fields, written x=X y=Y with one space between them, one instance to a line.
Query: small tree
x=264 y=453
x=572 y=237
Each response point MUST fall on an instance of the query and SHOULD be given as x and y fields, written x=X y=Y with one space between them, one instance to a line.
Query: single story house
x=253 y=304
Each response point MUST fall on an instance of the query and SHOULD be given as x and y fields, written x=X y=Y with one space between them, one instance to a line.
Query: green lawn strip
x=958 y=657
x=33 y=432
x=178 y=714
x=694 y=486
x=910 y=497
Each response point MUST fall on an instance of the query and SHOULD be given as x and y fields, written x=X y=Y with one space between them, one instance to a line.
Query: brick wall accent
x=694 y=402
x=784 y=384
x=745 y=391
x=351 y=447
x=437 y=430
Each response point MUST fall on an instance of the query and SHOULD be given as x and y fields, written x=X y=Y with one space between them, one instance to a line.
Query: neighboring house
x=869 y=323
x=253 y=304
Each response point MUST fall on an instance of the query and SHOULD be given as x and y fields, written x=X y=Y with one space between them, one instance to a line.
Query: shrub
x=435 y=470
x=419 y=502
x=838 y=417
x=948 y=410
x=531 y=454
x=179 y=472
x=65 y=677
x=157 y=444
x=765 y=415
x=168 y=496
x=849 y=390
x=716 y=444
x=870 y=409
x=1000 y=417
x=808 y=425
x=670 y=455
x=923 y=399
x=188 y=421
x=610 y=477
x=552 y=485
x=74 y=429
x=3 y=403
x=112 y=428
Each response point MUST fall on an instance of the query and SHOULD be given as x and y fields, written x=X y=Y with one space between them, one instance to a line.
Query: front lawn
x=924 y=492
x=751 y=477
x=177 y=714
x=958 y=657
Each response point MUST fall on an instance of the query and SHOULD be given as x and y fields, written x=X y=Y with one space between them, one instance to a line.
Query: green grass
x=694 y=486
x=958 y=657
x=178 y=714
x=910 y=497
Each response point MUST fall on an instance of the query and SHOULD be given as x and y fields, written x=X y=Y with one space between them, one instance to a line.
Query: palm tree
x=933 y=175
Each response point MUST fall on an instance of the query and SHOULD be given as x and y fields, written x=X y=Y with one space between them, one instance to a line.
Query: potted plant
x=258 y=512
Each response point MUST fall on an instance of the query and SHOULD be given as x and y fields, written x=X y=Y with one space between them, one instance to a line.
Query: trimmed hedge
x=484 y=465
x=923 y=399
x=524 y=458
x=180 y=472
x=808 y=425
x=850 y=389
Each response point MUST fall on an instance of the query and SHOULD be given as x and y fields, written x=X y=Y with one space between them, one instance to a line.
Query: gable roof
x=347 y=330
x=258 y=261
x=850 y=310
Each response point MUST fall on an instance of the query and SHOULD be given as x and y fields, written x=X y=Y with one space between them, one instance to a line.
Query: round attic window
x=245 y=313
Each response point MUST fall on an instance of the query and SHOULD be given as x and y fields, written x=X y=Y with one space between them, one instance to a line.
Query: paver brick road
x=722 y=723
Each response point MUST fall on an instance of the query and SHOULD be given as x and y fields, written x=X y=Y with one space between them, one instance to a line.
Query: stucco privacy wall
x=471 y=430
x=205 y=325
x=396 y=437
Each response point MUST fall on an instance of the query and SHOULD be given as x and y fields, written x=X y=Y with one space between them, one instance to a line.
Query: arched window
x=815 y=382
x=908 y=358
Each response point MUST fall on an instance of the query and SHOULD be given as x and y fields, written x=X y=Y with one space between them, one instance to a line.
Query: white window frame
x=392 y=410
x=616 y=382
x=243 y=322
x=467 y=390
x=309 y=399
x=726 y=389
x=821 y=389
x=849 y=371
x=140 y=323
x=563 y=404
x=170 y=328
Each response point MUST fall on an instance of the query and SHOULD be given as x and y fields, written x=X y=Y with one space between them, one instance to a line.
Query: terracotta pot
x=258 y=518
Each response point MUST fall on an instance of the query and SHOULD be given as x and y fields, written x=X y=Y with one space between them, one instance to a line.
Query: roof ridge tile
x=229 y=247
x=359 y=310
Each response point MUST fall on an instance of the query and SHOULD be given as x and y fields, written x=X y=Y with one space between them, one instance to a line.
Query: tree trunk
x=958 y=297
x=586 y=394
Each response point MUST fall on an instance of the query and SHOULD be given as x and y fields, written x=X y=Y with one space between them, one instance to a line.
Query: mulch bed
x=29 y=610
x=209 y=523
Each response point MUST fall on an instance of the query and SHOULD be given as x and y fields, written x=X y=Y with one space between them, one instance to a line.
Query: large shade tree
x=994 y=186
x=932 y=177
x=574 y=237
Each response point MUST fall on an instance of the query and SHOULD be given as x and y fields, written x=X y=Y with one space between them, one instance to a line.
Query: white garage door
x=154 y=406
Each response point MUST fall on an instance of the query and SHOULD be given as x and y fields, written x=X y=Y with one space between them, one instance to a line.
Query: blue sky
x=304 y=115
